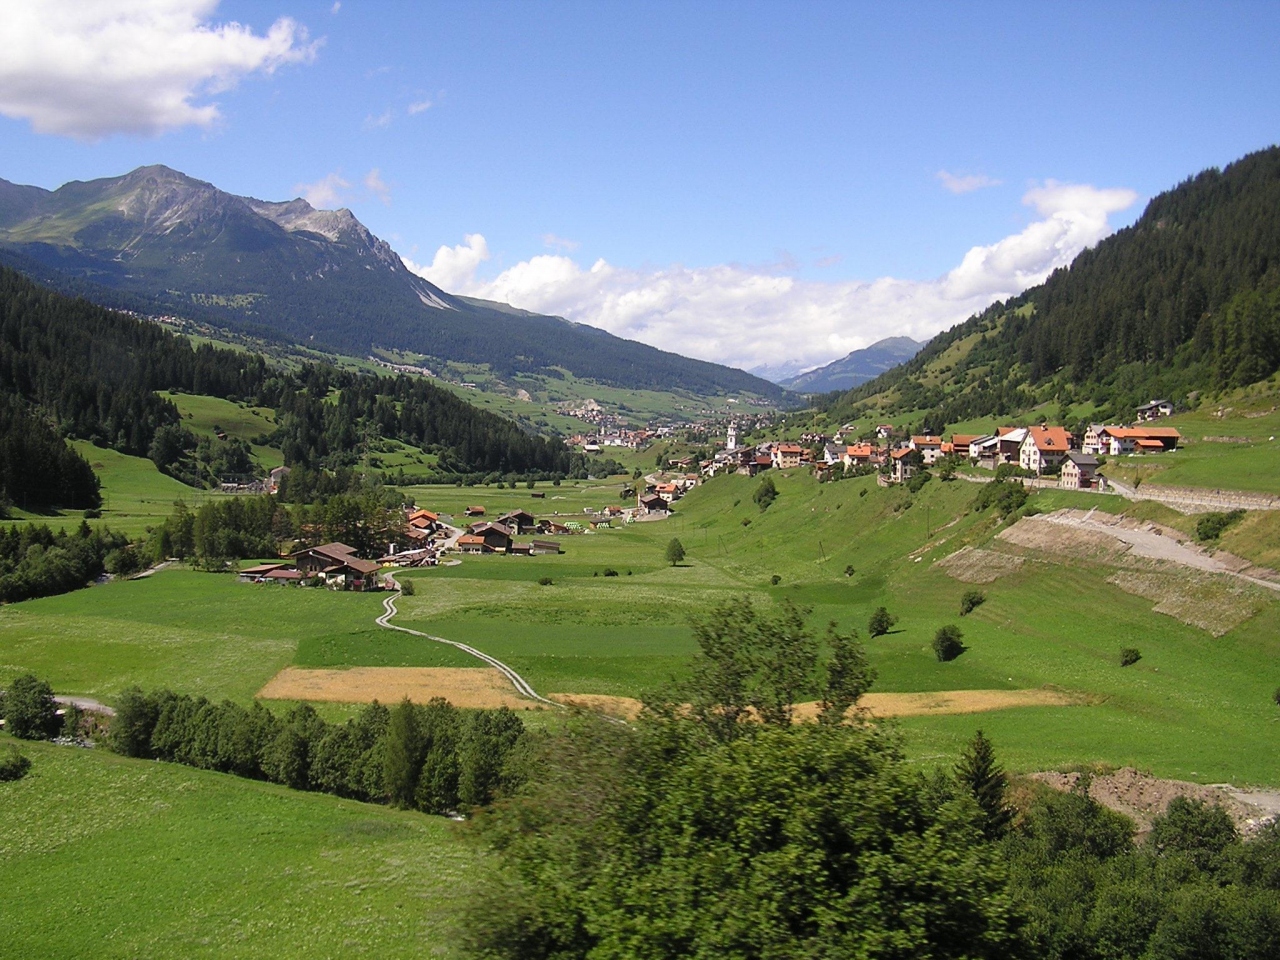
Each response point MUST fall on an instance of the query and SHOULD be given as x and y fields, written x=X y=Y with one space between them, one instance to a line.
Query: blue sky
x=766 y=184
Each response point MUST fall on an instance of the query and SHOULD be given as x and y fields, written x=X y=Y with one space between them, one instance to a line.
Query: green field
x=205 y=416
x=1192 y=707
x=113 y=858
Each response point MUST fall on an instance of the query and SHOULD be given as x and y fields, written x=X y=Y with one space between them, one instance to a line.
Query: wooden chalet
x=519 y=521
x=338 y=566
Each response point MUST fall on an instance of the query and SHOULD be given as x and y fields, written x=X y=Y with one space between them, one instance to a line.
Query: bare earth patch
x=1217 y=604
x=877 y=704
x=1143 y=797
x=1046 y=535
x=975 y=565
x=462 y=686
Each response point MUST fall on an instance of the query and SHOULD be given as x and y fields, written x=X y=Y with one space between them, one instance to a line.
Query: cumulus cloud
x=381 y=120
x=324 y=194
x=418 y=106
x=374 y=183
x=92 y=68
x=754 y=318
x=966 y=183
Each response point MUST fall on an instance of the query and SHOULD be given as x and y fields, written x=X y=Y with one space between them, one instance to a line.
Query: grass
x=205 y=416
x=115 y=858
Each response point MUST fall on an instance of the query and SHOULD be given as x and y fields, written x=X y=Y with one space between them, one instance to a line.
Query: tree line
x=434 y=757
x=36 y=562
x=73 y=369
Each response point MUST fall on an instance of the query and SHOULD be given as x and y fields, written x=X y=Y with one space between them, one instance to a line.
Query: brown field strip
x=485 y=687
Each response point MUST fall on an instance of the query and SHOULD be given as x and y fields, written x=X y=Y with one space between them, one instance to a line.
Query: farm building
x=338 y=566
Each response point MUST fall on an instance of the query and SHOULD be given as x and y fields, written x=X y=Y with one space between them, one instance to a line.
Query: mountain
x=1183 y=302
x=157 y=240
x=858 y=367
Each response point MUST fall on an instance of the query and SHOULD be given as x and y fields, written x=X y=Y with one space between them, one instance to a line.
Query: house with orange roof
x=930 y=448
x=1117 y=441
x=786 y=455
x=1043 y=448
x=900 y=463
x=960 y=443
x=858 y=454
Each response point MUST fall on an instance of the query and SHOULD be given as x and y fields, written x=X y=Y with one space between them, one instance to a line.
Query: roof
x=545 y=545
x=927 y=441
x=1082 y=459
x=334 y=551
x=423 y=514
x=360 y=566
x=471 y=539
x=860 y=450
x=899 y=454
x=262 y=568
x=1153 y=404
x=790 y=448
x=1137 y=433
x=283 y=575
x=1150 y=443
x=516 y=513
x=491 y=528
x=1050 y=439
x=475 y=510
x=964 y=439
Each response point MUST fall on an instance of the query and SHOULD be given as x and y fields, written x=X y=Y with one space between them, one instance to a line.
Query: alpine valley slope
x=855 y=368
x=156 y=240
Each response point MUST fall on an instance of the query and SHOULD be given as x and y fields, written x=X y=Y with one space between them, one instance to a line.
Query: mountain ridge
x=311 y=276
x=856 y=367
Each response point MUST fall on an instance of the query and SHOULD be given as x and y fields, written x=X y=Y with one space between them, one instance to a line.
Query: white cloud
x=454 y=268
x=751 y=318
x=92 y=68
x=374 y=183
x=337 y=5
x=966 y=183
x=381 y=120
x=552 y=242
x=418 y=107
x=325 y=194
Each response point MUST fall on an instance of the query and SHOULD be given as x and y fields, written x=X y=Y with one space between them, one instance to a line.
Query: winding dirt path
x=522 y=685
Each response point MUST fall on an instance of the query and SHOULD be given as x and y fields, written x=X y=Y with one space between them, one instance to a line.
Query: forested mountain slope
x=180 y=245
x=1187 y=299
x=70 y=368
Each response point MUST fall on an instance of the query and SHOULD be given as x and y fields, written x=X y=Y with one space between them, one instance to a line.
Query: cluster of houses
x=498 y=536
x=655 y=499
x=334 y=565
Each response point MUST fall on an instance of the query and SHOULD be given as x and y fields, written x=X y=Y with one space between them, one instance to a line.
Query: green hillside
x=1182 y=304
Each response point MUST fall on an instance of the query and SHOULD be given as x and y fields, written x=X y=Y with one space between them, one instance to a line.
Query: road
x=522 y=685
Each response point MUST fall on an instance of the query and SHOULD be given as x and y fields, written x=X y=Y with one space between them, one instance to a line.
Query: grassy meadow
x=115 y=858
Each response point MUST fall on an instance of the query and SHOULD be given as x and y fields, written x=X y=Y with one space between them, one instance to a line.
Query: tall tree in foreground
x=980 y=774
x=675 y=551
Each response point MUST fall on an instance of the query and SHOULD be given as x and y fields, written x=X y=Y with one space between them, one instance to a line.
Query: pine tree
x=980 y=774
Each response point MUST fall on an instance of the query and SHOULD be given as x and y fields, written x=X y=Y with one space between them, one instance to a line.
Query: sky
x=768 y=185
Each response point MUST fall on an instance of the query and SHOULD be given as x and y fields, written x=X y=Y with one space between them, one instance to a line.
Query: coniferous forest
x=1187 y=299
x=71 y=369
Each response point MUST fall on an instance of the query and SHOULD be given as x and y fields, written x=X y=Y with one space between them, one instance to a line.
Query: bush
x=765 y=494
x=406 y=588
x=29 y=710
x=610 y=572
x=917 y=482
x=881 y=622
x=775 y=580
x=971 y=600
x=946 y=643
x=1005 y=497
x=1211 y=526
x=545 y=581
x=1276 y=696
x=13 y=765
x=849 y=571
x=1129 y=656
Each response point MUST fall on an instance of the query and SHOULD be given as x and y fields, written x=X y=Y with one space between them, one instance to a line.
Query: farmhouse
x=786 y=455
x=255 y=574
x=338 y=566
x=960 y=444
x=651 y=503
x=1154 y=410
x=520 y=521
x=1043 y=448
x=901 y=468
x=473 y=512
x=1116 y=441
x=1079 y=471
x=858 y=455
x=930 y=448
x=539 y=547
x=495 y=536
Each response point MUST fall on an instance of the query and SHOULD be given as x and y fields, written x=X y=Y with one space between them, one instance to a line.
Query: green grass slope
x=112 y=858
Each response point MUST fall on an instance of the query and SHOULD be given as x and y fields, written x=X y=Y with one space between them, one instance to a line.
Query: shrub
x=610 y=572
x=1276 y=696
x=1211 y=526
x=946 y=643
x=1005 y=497
x=775 y=580
x=545 y=581
x=971 y=600
x=848 y=571
x=13 y=765
x=916 y=483
x=765 y=494
x=407 y=588
x=29 y=710
x=881 y=622
x=1129 y=656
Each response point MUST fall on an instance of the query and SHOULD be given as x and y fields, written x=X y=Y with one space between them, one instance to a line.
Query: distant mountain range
x=156 y=240
x=858 y=367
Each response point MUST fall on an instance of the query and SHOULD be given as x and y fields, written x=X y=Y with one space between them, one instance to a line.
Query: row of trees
x=433 y=758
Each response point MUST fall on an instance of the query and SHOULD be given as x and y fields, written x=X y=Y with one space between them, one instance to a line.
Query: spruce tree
x=980 y=774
